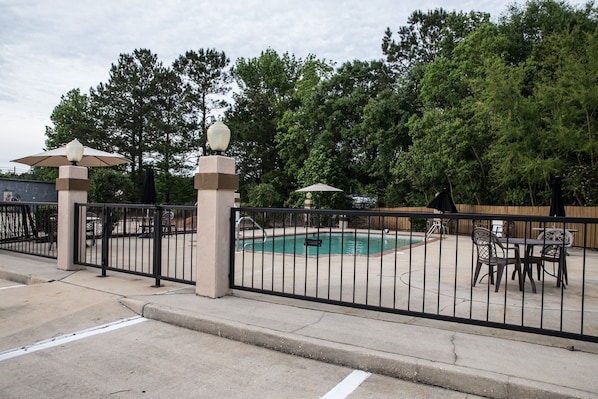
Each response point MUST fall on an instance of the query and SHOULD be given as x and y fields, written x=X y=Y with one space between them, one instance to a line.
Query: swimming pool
x=328 y=243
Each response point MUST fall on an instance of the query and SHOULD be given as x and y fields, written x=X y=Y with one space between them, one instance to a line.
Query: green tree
x=133 y=108
x=172 y=135
x=492 y=124
x=206 y=81
x=108 y=185
x=297 y=128
x=428 y=35
x=530 y=86
x=333 y=124
x=266 y=90
x=72 y=119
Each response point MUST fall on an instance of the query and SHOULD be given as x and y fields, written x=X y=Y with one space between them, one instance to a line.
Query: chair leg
x=521 y=276
x=562 y=273
x=478 y=267
x=499 y=271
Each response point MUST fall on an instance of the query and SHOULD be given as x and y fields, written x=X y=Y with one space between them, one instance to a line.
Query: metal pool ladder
x=237 y=231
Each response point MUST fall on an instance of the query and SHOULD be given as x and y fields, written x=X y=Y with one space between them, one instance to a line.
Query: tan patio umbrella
x=57 y=157
x=318 y=187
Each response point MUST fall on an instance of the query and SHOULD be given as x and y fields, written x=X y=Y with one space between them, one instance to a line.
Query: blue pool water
x=331 y=243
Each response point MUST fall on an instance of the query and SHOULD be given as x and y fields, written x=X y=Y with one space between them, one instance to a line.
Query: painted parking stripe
x=60 y=340
x=13 y=286
x=348 y=385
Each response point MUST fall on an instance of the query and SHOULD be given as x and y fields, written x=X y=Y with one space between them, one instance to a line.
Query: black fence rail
x=29 y=227
x=147 y=240
x=533 y=274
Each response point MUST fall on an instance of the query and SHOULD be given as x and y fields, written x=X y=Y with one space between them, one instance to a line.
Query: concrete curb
x=23 y=279
x=459 y=378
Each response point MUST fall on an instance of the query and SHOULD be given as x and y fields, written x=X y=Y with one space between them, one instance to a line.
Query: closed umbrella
x=148 y=197
x=57 y=157
x=443 y=202
x=149 y=188
x=557 y=206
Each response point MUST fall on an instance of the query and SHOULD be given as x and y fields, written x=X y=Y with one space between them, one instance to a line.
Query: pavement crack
x=310 y=324
x=454 y=349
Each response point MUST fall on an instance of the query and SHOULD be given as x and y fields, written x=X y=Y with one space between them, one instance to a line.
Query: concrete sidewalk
x=481 y=361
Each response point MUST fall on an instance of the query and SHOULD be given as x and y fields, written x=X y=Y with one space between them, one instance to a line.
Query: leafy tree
x=267 y=85
x=206 y=81
x=172 y=135
x=130 y=109
x=570 y=103
x=175 y=189
x=108 y=185
x=428 y=35
x=322 y=166
x=72 y=119
x=298 y=126
x=530 y=88
x=264 y=195
x=334 y=125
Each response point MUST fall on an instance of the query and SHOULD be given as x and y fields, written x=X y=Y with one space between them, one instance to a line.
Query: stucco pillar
x=307 y=205
x=72 y=185
x=216 y=183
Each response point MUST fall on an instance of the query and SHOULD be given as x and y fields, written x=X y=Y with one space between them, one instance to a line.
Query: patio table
x=530 y=243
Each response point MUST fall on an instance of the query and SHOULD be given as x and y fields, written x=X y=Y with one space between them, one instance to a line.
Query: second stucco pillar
x=216 y=184
x=72 y=185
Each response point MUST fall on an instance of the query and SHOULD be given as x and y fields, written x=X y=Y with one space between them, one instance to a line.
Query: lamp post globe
x=218 y=137
x=74 y=151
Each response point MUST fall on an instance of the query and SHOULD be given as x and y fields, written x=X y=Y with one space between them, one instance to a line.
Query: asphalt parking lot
x=62 y=340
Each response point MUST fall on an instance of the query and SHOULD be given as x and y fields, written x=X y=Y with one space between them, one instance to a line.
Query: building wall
x=27 y=190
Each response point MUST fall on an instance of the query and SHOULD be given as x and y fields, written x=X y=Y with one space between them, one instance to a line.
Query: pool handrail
x=237 y=224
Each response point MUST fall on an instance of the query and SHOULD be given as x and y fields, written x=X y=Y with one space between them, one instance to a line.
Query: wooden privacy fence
x=586 y=234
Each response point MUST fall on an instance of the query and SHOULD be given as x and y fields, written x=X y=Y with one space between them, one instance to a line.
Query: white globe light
x=218 y=137
x=74 y=151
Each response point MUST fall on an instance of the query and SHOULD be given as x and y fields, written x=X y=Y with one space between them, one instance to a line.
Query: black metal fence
x=424 y=264
x=152 y=241
x=29 y=227
x=418 y=264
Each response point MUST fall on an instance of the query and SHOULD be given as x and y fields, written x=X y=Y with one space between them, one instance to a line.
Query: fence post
x=216 y=183
x=72 y=185
x=106 y=233
x=157 y=238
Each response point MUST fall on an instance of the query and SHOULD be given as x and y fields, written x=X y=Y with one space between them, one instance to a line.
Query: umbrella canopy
x=149 y=188
x=557 y=206
x=57 y=157
x=443 y=202
x=318 y=187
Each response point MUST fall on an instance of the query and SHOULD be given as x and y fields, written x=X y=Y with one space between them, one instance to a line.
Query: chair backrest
x=167 y=217
x=485 y=242
x=497 y=227
x=553 y=251
x=91 y=222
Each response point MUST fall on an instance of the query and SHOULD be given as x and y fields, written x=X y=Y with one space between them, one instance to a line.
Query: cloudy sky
x=50 y=47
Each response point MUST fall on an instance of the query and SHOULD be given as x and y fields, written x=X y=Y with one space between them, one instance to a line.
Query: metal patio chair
x=554 y=254
x=491 y=252
x=168 y=223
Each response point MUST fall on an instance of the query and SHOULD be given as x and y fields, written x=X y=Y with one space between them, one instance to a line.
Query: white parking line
x=12 y=286
x=348 y=385
x=49 y=343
